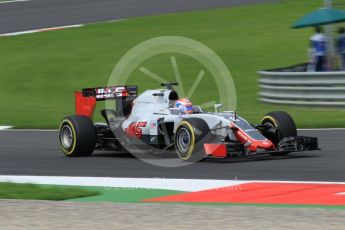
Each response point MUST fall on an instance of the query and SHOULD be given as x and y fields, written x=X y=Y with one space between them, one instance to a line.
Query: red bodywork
x=84 y=105
x=216 y=150
x=85 y=101
x=251 y=144
x=134 y=129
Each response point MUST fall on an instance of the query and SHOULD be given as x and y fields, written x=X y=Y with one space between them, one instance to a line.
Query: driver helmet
x=184 y=105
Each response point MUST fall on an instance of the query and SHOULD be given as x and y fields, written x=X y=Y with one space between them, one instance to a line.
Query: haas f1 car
x=152 y=121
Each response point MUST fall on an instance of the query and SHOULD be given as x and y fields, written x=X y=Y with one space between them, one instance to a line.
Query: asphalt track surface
x=38 y=153
x=37 y=14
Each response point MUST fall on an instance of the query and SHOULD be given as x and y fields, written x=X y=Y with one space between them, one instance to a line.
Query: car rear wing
x=85 y=101
x=110 y=93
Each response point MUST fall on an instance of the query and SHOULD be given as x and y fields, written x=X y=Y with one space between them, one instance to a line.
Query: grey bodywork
x=154 y=105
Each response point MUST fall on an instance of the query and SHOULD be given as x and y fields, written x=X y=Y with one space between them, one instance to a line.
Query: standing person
x=318 y=51
x=341 y=47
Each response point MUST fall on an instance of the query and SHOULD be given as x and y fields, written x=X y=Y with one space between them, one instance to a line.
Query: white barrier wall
x=322 y=89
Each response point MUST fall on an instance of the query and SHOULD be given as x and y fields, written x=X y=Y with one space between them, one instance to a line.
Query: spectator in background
x=341 y=47
x=318 y=51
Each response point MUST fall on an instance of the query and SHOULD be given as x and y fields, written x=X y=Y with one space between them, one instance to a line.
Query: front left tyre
x=189 y=139
x=77 y=136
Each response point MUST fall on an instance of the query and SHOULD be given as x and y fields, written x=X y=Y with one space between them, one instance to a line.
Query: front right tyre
x=283 y=124
x=77 y=136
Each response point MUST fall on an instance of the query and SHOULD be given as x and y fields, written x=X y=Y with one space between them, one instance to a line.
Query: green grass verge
x=79 y=193
x=116 y=195
x=124 y=195
x=39 y=192
x=138 y=195
x=39 y=72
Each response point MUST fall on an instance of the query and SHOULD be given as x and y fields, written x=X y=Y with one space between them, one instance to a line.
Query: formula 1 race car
x=150 y=121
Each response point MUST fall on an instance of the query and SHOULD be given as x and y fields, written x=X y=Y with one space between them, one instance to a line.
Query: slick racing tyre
x=77 y=136
x=284 y=124
x=189 y=139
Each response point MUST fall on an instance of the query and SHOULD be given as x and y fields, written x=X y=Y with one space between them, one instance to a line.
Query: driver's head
x=184 y=105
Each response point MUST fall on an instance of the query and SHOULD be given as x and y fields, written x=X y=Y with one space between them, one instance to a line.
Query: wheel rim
x=277 y=138
x=66 y=137
x=270 y=124
x=183 y=141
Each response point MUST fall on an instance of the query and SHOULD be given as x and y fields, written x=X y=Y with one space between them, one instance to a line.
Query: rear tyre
x=189 y=139
x=77 y=136
x=284 y=124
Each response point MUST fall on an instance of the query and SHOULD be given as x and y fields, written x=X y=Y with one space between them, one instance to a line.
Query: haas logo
x=134 y=129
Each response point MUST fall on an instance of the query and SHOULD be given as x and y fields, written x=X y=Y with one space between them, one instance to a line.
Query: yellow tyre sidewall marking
x=74 y=137
x=275 y=123
x=192 y=146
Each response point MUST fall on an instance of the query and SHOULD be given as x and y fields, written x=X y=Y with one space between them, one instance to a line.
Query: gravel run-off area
x=24 y=214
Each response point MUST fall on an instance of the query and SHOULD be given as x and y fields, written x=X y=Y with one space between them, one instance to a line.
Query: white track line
x=31 y=130
x=13 y=1
x=189 y=185
x=49 y=28
x=108 y=182
x=5 y=127
x=40 y=30
x=294 y=182
x=340 y=193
